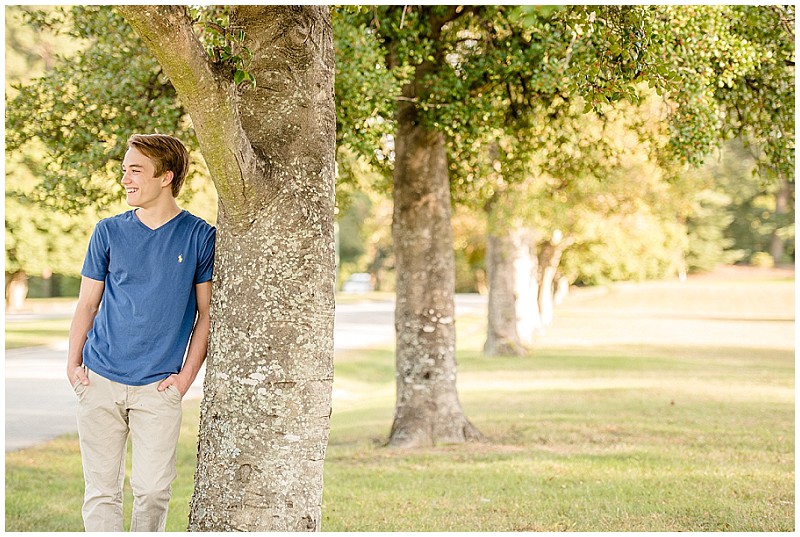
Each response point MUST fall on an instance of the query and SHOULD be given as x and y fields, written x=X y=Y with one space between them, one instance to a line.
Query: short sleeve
x=95 y=265
x=205 y=261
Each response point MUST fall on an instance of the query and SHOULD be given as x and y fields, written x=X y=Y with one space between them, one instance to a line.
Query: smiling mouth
x=131 y=190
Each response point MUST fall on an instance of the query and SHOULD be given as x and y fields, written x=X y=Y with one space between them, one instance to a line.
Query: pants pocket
x=79 y=389
x=173 y=394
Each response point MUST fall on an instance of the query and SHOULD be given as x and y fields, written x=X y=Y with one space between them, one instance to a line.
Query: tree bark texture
x=513 y=311
x=427 y=409
x=267 y=394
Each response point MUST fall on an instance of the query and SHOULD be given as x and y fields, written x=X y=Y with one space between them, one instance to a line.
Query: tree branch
x=207 y=94
x=786 y=22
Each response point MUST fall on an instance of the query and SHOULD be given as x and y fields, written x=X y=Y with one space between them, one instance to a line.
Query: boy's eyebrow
x=133 y=166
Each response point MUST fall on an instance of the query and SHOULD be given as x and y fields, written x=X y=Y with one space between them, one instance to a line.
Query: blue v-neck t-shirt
x=147 y=313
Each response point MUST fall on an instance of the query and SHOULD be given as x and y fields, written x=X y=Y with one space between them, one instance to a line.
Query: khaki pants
x=107 y=411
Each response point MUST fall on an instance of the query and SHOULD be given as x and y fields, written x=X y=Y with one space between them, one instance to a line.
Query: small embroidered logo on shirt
x=180 y=259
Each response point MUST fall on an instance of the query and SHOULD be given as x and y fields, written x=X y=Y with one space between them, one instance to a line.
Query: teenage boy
x=144 y=298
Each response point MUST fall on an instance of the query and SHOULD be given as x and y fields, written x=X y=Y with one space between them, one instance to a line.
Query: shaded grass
x=608 y=437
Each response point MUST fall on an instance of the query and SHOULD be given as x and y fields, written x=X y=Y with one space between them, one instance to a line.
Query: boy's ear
x=167 y=178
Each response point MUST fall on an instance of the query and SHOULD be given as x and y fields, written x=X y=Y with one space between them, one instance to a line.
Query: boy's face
x=142 y=189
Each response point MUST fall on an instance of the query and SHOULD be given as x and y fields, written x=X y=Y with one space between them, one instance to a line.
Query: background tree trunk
x=562 y=290
x=427 y=410
x=16 y=290
x=513 y=312
x=549 y=259
x=267 y=395
x=526 y=267
x=502 y=338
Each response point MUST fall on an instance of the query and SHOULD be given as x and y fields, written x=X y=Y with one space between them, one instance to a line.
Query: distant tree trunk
x=777 y=243
x=49 y=283
x=16 y=290
x=513 y=312
x=427 y=410
x=562 y=290
x=267 y=395
x=526 y=266
x=549 y=259
x=376 y=267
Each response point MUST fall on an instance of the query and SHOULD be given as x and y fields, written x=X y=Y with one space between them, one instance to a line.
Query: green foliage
x=597 y=180
x=86 y=108
x=751 y=210
x=707 y=245
x=762 y=260
x=492 y=79
x=88 y=105
x=223 y=41
x=469 y=242
x=612 y=48
x=351 y=239
x=736 y=78
x=365 y=92
x=31 y=48
x=364 y=217
x=68 y=159
x=761 y=107
x=635 y=247
x=478 y=71
x=39 y=241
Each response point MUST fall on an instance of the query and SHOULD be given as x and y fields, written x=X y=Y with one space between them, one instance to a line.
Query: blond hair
x=167 y=154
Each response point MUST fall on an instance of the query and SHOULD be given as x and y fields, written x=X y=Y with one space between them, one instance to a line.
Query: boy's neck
x=157 y=216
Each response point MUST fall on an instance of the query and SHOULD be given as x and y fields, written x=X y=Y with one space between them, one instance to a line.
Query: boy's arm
x=198 y=345
x=89 y=297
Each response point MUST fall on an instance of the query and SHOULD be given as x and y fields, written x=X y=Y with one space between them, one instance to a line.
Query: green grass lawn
x=653 y=407
x=36 y=333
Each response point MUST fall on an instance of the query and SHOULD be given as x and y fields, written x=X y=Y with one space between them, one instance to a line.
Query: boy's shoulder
x=197 y=222
x=116 y=220
x=194 y=218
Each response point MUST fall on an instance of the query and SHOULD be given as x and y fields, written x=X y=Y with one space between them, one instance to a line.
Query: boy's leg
x=155 y=420
x=103 y=432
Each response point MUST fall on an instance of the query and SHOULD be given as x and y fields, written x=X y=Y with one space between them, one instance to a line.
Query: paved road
x=40 y=404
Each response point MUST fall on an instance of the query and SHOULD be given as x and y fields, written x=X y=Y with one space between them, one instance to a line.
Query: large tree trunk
x=513 y=312
x=267 y=395
x=427 y=410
